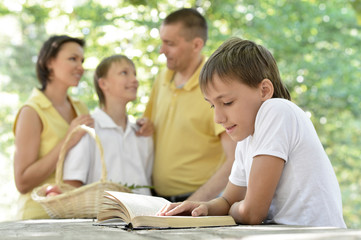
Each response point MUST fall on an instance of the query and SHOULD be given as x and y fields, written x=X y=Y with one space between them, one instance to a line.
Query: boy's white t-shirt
x=308 y=192
x=129 y=158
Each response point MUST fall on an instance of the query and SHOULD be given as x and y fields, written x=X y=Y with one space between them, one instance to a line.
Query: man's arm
x=217 y=183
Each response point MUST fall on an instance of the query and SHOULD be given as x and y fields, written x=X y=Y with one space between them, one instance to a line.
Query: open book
x=139 y=211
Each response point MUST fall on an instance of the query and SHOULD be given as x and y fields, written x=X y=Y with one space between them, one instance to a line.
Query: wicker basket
x=82 y=202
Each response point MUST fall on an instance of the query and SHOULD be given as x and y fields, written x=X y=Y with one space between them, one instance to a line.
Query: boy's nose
x=219 y=116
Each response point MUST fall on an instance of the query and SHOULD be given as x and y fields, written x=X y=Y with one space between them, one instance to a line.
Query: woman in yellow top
x=42 y=124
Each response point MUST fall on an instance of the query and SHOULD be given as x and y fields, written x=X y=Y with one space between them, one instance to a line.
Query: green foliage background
x=316 y=44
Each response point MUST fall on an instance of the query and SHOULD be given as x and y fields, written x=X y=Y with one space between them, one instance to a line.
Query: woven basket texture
x=82 y=202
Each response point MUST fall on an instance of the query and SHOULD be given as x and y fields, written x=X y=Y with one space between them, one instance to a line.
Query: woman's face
x=67 y=67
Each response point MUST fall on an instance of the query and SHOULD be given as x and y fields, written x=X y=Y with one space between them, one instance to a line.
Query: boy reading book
x=281 y=172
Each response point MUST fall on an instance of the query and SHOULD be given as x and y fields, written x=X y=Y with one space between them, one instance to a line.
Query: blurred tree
x=316 y=45
x=356 y=4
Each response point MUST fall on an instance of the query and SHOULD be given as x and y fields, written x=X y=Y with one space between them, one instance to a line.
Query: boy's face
x=120 y=82
x=235 y=106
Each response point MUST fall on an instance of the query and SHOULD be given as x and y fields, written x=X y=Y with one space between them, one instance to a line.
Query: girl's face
x=67 y=67
x=120 y=82
x=235 y=106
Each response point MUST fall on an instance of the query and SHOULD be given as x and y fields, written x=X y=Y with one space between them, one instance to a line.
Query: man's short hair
x=194 y=23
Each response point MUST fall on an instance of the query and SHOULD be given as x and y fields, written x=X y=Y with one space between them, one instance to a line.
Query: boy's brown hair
x=245 y=61
x=102 y=71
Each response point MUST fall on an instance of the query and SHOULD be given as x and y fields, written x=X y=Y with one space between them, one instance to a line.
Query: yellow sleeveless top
x=54 y=130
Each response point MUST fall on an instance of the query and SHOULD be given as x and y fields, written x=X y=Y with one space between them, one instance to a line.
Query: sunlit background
x=316 y=45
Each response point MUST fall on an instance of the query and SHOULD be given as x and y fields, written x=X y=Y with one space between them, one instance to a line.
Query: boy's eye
x=228 y=103
x=123 y=73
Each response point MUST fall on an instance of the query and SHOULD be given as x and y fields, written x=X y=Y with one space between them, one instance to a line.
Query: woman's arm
x=264 y=177
x=74 y=183
x=30 y=171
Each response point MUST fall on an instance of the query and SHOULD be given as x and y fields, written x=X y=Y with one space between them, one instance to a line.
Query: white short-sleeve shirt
x=308 y=192
x=129 y=158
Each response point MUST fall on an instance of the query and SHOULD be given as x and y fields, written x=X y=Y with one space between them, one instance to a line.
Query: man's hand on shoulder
x=146 y=127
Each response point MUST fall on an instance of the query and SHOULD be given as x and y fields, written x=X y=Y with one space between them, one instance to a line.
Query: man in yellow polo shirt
x=193 y=155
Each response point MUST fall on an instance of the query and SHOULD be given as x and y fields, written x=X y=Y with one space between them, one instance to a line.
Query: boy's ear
x=102 y=84
x=267 y=89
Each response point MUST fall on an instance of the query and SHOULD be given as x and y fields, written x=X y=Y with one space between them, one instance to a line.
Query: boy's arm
x=265 y=174
x=216 y=184
x=218 y=206
x=231 y=194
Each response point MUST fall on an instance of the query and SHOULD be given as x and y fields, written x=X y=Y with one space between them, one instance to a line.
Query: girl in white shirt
x=128 y=158
x=281 y=173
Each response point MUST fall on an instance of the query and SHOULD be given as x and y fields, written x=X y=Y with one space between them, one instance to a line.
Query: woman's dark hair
x=48 y=51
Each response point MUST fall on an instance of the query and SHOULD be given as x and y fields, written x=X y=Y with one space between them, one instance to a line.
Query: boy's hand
x=146 y=127
x=194 y=209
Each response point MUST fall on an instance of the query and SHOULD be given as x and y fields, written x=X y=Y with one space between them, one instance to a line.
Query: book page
x=112 y=214
x=139 y=205
x=182 y=221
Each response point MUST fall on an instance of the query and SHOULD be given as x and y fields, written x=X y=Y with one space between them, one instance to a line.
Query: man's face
x=178 y=51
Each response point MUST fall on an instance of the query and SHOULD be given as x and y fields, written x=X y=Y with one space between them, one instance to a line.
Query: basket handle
x=62 y=154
